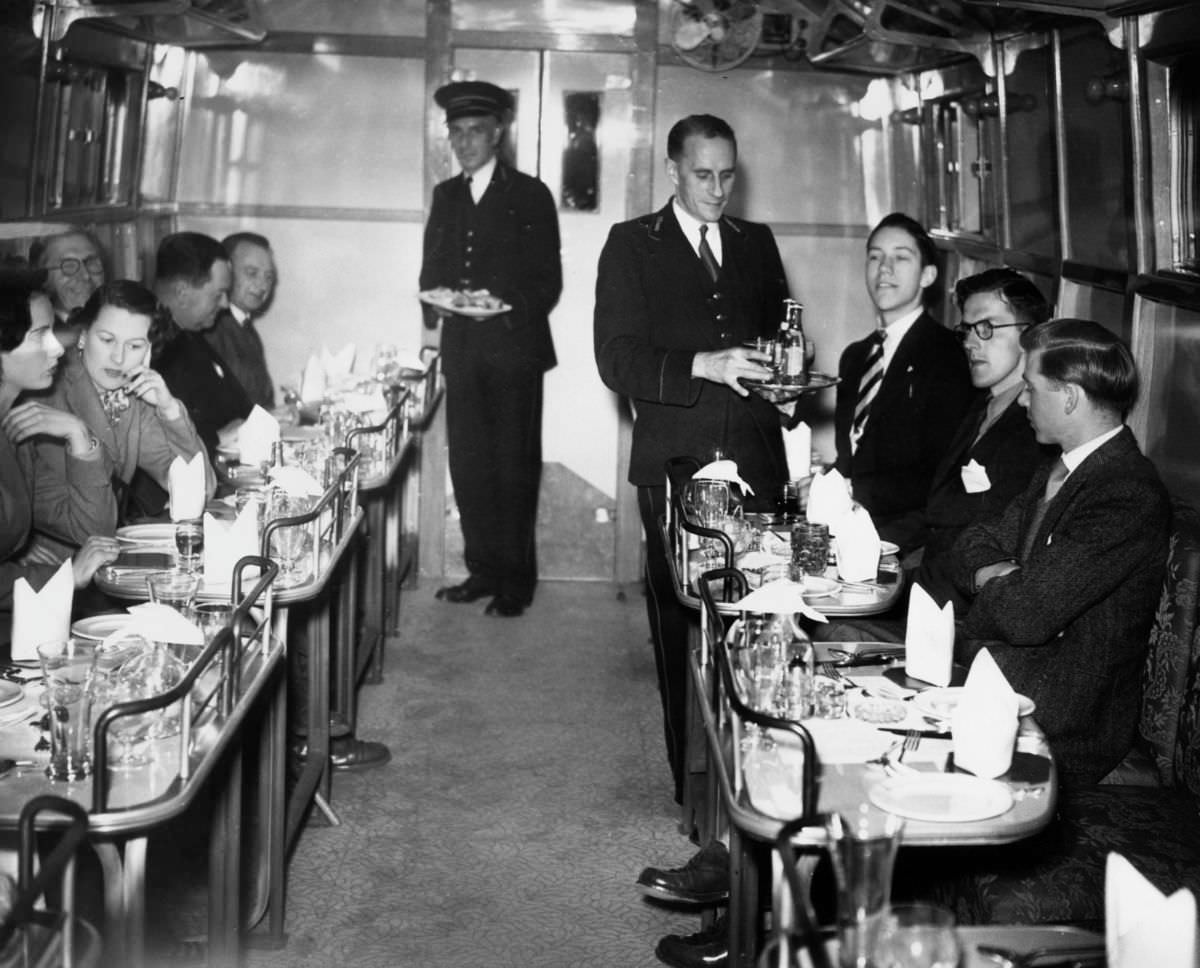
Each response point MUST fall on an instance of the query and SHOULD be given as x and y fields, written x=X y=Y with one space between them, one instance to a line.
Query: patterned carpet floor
x=528 y=786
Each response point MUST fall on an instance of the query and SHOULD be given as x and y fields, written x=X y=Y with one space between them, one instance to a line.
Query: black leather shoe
x=469 y=591
x=705 y=949
x=505 y=606
x=357 y=754
x=702 y=880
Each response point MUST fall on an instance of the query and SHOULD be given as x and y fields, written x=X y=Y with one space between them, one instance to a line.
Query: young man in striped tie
x=904 y=388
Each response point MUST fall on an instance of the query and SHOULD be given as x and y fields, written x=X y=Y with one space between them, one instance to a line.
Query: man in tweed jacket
x=1065 y=581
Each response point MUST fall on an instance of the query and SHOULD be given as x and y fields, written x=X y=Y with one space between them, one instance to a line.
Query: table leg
x=133 y=896
x=224 y=870
x=743 y=901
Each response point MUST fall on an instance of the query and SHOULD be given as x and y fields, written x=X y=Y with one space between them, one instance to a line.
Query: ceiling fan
x=715 y=35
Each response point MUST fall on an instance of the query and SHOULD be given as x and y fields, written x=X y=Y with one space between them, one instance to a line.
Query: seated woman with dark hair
x=106 y=382
x=29 y=354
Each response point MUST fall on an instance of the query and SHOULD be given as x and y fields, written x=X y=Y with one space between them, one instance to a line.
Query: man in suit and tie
x=994 y=452
x=234 y=336
x=904 y=389
x=192 y=279
x=679 y=291
x=493 y=228
x=1063 y=585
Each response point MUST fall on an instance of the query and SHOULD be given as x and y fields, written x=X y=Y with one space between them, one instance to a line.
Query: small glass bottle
x=793 y=368
x=798 y=696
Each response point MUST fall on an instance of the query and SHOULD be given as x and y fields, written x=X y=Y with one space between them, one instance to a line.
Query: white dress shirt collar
x=1076 y=456
x=691 y=231
x=481 y=178
x=894 y=332
x=240 y=316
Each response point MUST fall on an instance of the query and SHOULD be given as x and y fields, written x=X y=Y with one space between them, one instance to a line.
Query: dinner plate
x=818 y=587
x=98 y=627
x=441 y=301
x=147 y=534
x=940 y=703
x=941 y=797
x=10 y=692
x=888 y=548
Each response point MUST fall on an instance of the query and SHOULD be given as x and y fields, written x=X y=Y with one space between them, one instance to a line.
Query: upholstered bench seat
x=1058 y=876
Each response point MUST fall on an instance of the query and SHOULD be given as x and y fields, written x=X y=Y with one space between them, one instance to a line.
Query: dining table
x=827 y=594
x=760 y=783
x=232 y=676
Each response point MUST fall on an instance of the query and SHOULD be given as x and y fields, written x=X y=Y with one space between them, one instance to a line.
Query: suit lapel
x=1093 y=465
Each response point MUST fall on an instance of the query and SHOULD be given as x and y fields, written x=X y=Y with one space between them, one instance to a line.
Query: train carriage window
x=964 y=137
x=1185 y=110
x=1032 y=199
x=1095 y=93
x=581 y=154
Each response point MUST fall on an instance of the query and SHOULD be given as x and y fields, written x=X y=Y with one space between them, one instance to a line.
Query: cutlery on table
x=1080 y=954
x=912 y=739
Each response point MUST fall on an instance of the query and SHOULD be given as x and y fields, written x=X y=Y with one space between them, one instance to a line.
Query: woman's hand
x=148 y=385
x=95 y=553
x=33 y=418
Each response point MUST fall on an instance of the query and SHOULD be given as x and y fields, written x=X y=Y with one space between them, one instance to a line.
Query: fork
x=912 y=739
x=831 y=671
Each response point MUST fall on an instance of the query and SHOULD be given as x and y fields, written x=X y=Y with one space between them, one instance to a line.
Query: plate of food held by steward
x=477 y=303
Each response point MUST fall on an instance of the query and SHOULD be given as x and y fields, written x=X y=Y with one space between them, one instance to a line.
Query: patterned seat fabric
x=1058 y=876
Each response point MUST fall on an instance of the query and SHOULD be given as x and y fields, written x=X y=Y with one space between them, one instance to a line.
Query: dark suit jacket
x=202 y=382
x=240 y=346
x=1070 y=626
x=923 y=396
x=512 y=250
x=655 y=309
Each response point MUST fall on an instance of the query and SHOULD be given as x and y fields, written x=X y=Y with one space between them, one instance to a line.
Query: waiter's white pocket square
x=975 y=477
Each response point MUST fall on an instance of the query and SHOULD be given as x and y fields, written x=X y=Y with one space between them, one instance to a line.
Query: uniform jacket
x=240 y=346
x=655 y=309
x=1070 y=627
x=507 y=244
x=922 y=398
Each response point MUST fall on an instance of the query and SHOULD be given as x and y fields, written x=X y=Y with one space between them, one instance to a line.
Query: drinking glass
x=67 y=666
x=863 y=846
x=152 y=672
x=916 y=936
x=707 y=502
x=189 y=545
x=291 y=544
x=175 y=588
x=129 y=733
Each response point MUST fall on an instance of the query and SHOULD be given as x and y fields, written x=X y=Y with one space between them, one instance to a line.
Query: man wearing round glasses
x=74 y=270
x=993 y=454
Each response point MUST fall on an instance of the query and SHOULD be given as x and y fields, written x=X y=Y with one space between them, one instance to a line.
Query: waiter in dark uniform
x=492 y=227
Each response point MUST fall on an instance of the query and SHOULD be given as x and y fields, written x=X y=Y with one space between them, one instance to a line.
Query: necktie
x=707 y=257
x=1054 y=483
x=868 y=387
x=115 y=403
x=470 y=193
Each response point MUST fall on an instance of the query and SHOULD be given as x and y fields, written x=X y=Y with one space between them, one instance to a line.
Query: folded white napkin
x=41 y=616
x=256 y=435
x=162 y=623
x=780 y=597
x=975 y=478
x=227 y=541
x=722 y=470
x=857 y=545
x=1142 y=926
x=846 y=740
x=313 y=385
x=295 y=481
x=929 y=639
x=186 y=486
x=983 y=726
x=797 y=445
x=828 y=498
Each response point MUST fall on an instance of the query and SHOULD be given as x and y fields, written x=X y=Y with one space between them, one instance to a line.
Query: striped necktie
x=868 y=387
x=707 y=257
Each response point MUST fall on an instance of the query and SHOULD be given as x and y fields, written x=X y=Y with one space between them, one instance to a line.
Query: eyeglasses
x=983 y=329
x=68 y=267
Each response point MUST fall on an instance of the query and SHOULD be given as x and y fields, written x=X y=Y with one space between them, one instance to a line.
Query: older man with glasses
x=75 y=269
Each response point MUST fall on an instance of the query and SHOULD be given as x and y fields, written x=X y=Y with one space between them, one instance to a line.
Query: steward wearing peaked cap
x=464 y=99
x=493 y=228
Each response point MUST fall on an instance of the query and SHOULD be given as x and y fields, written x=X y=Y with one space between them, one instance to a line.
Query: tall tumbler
x=863 y=846
x=67 y=666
